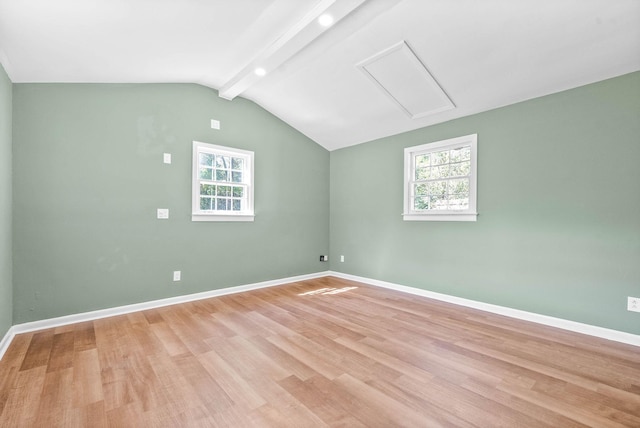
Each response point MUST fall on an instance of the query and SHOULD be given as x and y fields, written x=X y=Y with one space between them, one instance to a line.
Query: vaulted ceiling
x=381 y=68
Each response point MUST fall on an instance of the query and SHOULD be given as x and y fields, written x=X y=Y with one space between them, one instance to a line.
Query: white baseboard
x=6 y=341
x=591 y=330
x=120 y=310
x=604 y=333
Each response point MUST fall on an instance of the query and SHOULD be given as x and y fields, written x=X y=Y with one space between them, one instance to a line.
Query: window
x=222 y=187
x=440 y=180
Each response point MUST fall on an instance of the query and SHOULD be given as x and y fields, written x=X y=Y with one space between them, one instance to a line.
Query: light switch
x=166 y=157
x=163 y=213
x=215 y=124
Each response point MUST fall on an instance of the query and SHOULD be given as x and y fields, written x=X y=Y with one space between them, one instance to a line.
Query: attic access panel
x=400 y=74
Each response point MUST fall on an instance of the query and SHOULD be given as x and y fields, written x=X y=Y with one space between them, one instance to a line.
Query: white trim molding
x=412 y=183
x=601 y=332
x=136 y=307
x=6 y=340
x=246 y=184
x=577 y=327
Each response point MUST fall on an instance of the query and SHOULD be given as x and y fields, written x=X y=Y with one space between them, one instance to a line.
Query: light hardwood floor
x=298 y=356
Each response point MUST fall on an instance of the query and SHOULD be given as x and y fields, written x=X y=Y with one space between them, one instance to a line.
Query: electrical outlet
x=177 y=275
x=633 y=304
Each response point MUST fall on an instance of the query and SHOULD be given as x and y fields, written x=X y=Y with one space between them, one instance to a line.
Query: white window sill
x=222 y=217
x=440 y=217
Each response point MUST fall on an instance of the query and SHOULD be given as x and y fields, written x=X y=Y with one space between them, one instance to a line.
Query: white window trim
x=196 y=213
x=471 y=214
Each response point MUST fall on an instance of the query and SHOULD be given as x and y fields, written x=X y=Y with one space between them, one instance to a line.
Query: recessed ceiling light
x=260 y=71
x=325 y=20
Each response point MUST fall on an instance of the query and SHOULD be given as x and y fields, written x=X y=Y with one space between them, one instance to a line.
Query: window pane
x=420 y=189
x=237 y=204
x=421 y=203
x=459 y=187
x=224 y=190
x=207 y=189
x=437 y=202
x=422 y=160
x=455 y=155
x=206 y=174
x=443 y=171
x=206 y=159
x=205 y=203
x=437 y=188
x=459 y=203
x=223 y=204
x=439 y=158
x=423 y=173
x=237 y=192
x=236 y=176
x=223 y=162
x=460 y=154
x=460 y=169
x=237 y=163
x=222 y=175
x=465 y=153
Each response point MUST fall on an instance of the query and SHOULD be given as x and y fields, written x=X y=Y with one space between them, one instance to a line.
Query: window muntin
x=222 y=183
x=440 y=180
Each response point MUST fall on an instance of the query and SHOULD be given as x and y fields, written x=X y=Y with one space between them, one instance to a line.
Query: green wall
x=6 y=287
x=89 y=176
x=558 y=231
x=559 y=202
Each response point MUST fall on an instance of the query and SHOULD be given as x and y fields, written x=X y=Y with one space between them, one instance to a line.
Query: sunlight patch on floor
x=327 y=290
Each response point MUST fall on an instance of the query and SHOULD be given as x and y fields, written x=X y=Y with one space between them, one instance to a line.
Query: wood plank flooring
x=324 y=352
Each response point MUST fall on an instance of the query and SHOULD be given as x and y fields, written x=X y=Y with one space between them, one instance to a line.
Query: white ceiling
x=483 y=53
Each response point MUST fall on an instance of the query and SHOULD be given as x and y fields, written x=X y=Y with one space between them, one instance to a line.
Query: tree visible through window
x=440 y=180
x=222 y=183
